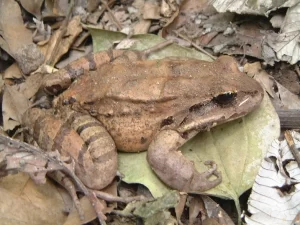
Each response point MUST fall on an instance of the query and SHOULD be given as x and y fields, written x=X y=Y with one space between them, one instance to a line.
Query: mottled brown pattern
x=154 y=104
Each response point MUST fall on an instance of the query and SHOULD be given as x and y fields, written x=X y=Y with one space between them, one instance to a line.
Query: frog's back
x=135 y=100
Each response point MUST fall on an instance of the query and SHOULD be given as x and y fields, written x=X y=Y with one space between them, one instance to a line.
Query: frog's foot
x=203 y=181
x=174 y=169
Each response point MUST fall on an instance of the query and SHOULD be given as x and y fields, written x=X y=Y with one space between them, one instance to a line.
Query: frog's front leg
x=58 y=81
x=174 y=169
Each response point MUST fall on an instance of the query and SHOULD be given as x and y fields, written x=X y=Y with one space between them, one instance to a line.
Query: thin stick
x=111 y=15
x=289 y=139
x=194 y=45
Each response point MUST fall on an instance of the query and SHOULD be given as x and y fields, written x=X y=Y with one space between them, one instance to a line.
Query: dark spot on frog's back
x=175 y=69
x=92 y=63
x=74 y=73
x=143 y=140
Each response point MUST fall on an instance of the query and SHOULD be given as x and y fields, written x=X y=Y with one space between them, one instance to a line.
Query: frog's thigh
x=173 y=168
x=101 y=150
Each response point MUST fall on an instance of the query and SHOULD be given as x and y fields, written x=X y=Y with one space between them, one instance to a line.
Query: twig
x=297 y=70
x=112 y=198
x=194 y=45
x=156 y=47
x=111 y=15
x=66 y=182
x=289 y=139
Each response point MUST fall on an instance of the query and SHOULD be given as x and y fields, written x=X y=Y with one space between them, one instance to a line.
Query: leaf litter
x=195 y=24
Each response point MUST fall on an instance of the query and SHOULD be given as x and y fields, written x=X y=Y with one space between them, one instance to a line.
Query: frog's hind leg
x=100 y=148
x=174 y=169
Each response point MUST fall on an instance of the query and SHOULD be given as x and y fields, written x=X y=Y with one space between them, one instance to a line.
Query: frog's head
x=232 y=95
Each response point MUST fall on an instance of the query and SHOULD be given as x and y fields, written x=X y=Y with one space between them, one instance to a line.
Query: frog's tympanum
x=122 y=102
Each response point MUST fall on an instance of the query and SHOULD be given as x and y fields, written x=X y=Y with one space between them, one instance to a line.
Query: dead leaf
x=282 y=98
x=31 y=85
x=275 y=194
x=288 y=99
x=12 y=72
x=151 y=10
x=23 y=202
x=34 y=7
x=214 y=211
x=259 y=7
x=58 y=45
x=286 y=43
x=73 y=55
x=13 y=106
x=26 y=53
x=267 y=81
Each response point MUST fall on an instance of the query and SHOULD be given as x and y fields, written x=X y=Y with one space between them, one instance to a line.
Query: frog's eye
x=225 y=98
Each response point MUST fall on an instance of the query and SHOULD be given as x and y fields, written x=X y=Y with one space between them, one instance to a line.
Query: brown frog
x=154 y=105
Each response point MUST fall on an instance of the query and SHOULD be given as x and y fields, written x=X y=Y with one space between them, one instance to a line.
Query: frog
x=125 y=102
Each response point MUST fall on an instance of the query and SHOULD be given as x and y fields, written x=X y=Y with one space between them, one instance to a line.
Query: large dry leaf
x=12 y=25
x=23 y=202
x=275 y=195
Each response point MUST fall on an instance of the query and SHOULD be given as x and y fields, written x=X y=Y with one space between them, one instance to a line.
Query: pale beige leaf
x=275 y=195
